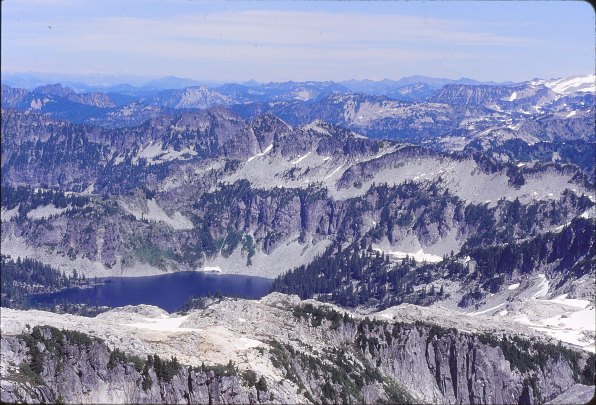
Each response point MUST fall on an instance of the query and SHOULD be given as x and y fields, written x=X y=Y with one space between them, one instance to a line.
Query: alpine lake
x=169 y=291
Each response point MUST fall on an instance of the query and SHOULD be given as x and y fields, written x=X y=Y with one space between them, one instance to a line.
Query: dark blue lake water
x=168 y=291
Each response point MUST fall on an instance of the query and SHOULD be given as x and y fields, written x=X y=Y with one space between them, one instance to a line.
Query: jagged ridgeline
x=246 y=224
x=346 y=359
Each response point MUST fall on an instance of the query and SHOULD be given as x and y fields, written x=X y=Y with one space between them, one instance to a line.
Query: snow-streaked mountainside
x=303 y=351
x=428 y=241
x=568 y=86
x=282 y=170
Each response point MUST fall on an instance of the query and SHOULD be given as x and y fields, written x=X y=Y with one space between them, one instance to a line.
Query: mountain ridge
x=421 y=229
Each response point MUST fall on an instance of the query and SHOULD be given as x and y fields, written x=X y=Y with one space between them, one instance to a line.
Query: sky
x=233 y=41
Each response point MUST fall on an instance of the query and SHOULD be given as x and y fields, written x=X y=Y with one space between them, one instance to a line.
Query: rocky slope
x=304 y=352
x=210 y=189
x=246 y=227
x=485 y=216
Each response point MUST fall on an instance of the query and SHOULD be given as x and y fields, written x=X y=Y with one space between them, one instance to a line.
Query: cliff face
x=444 y=366
x=88 y=372
x=459 y=369
x=305 y=352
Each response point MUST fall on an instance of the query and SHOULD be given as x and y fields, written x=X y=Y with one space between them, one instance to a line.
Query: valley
x=426 y=243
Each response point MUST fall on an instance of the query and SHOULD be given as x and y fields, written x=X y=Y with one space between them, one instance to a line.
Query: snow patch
x=543 y=287
x=572 y=302
x=335 y=171
x=210 y=269
x=267 y=150
x=487 y=310
x=419 y=256
x=89 y=190
x=7 y=215
x=570 y=324
x=300 y=159
x=119 y=159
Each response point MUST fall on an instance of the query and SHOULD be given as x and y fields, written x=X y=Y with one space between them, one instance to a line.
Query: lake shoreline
x=168 y=291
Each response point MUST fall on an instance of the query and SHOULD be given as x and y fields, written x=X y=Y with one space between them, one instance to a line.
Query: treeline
x=27 y=198
x=22 y=277
x=359 y=275
x=56 y=346
x=531 y=355
x=570 y=251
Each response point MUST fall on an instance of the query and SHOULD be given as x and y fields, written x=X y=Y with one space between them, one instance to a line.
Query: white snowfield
x=487 y=310
x=263 y=153
x=300 y=159
x=578 y=84
x=569 y=321
x=155 y=154
x=451 y=318
x=573 y=321
x=565 y=319
x=419 y=256
x=543 y=287
x=334 y=172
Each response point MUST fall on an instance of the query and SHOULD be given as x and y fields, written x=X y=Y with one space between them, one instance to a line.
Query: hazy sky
x=277 y=41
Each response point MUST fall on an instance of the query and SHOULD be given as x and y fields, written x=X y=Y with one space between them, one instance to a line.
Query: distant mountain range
x=127 y=84
x=536 y=110
x=141 y=86
x=457 y=216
